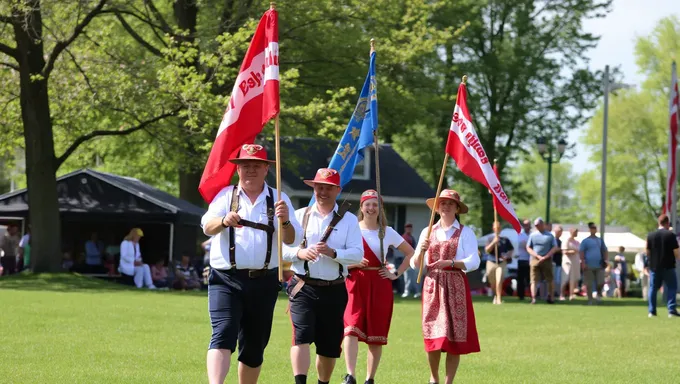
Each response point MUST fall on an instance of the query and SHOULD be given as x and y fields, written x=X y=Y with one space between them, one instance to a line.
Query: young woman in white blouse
x=448 y=316
x=131 y=264
x=369 y=286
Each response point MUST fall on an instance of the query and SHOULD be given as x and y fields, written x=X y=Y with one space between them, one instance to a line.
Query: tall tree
x=33 y=60
x=638 y=151
x=324 y=54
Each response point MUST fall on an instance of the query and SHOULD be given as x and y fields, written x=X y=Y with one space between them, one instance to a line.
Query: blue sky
x=629 y=19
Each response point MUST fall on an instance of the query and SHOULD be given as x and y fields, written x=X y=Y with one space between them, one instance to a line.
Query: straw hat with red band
x=449 y=194
x=251 y=152
x=369 y=194
x=325 y=176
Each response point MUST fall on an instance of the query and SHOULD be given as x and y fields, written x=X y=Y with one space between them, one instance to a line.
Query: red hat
x=325 y=176
x=449 y=194
x=251 y=152
x=369 y=194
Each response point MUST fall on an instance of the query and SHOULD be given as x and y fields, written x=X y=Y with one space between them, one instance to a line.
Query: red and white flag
x=671 y=177
x=466 y=150
x=254 y=101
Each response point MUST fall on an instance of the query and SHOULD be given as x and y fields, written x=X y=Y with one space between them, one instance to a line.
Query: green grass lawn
x=68 y=329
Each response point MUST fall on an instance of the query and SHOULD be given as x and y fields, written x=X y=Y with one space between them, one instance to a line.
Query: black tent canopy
x=94 y=201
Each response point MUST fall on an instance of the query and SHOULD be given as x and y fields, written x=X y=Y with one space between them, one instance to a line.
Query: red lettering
x=484 y=160
x=271 y=58
x=499 y=191
x=251 y=83
x=463 y=127
x=244 y=87
x=256 y=78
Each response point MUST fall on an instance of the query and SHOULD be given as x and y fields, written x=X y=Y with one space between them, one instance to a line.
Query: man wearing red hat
x=243 y=283
x=331 y=242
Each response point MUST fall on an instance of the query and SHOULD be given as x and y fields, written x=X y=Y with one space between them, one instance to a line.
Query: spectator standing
x=662 y=251
x=496 y=265
x=557 y=263
x=571 y=265
x=9 y=248
x=523 y=259
x=593 y=252
x=411 y=285
x=642 y=272
x=622 y=271
x=24 y=261
x=541 y=246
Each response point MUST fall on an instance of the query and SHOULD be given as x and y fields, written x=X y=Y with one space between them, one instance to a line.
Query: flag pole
x=381 y=224
x=434 y=210
x=277 y=141
x=495 y=214
x=674 y=190
x=421 y=255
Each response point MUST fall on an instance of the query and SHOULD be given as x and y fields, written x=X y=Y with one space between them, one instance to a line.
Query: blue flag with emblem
x=359 y=132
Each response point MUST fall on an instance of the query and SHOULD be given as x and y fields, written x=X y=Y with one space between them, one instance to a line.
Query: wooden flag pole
x=381 y=224
x=277 y=141
x=279 y=232
x=421 y=255
x=495 y=217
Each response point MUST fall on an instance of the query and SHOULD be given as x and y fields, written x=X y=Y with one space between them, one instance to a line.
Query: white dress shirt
x=129 y=253
x=251 y=243
x=467 y=244
x=345 y=239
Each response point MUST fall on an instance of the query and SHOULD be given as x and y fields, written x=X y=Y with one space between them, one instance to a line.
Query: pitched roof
x=301 y=157
x=87 y=190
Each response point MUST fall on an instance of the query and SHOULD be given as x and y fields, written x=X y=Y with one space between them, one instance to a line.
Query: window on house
x=362 y=171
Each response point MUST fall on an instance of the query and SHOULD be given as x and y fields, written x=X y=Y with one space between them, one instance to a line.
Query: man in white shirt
x=243 y=283
x=318 y=297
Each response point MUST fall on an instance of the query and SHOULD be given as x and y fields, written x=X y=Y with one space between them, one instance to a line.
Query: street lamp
x=545 y=149
x=603 y=189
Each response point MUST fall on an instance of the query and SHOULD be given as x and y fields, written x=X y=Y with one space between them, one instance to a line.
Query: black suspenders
x=269 y=227
x=327 y=233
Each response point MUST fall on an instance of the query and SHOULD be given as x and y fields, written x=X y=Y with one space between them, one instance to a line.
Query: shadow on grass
x=72 y=282
x=581 y=301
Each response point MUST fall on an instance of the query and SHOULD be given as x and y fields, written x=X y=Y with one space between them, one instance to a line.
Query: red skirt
x=369 y=307
x=448 y=316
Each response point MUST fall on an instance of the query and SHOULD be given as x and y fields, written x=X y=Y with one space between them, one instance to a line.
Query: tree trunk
x=188 y=186
x=186 y=16
x=39 y=142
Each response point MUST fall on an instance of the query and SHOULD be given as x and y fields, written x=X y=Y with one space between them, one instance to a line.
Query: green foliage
x=531 y=177
x=638 y=138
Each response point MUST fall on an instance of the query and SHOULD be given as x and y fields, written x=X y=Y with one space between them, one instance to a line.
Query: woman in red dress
x=448 y=316
x=369 y=286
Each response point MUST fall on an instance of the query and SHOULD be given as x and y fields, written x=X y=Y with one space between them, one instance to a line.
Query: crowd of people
x=122 y=262
x=581 y=268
